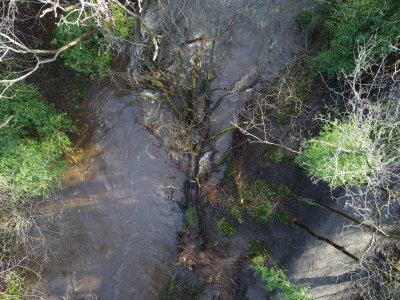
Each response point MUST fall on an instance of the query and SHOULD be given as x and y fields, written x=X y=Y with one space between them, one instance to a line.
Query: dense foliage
x=93 y=54
x=353 y=23
x=32 y=144
x=120 y=25
x=90 y=56
x=342 y=154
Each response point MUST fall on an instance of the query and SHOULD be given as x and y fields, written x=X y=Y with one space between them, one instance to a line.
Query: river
x=119 y=230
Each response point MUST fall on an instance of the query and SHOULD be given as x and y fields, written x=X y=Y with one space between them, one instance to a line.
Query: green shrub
x=304 y=18
x=257 y=198
x=342 y=154
x=256 y=249
x=224 y=227
x=90 y=56
x=292 y=90
x=275 y=155
x=284 y=216
x=356 y=22
x=236 y=213
x=120 y=25
x=285 y=114
x=191 y=217
x=283 y=191
x=275 y=279
x=12 y=287
x=32 y=144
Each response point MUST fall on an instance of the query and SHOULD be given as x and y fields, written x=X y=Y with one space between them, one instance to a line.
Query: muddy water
x=119 y=229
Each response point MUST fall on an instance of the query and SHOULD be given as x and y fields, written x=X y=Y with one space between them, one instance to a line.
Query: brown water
x=120 y=225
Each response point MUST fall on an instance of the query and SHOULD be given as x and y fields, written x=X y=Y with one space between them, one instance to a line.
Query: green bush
x=257 y=248
x=275 y=279
x=283 y=191
x=355 y=22
x=90 y=56
x=191 y=218
x=224 y=227
x=32 y=144
x=257 y=198
x=120 y=25
x=304 y=18
x=342 y=154
x=275 y=155
x=12 y=288
x=236 y=212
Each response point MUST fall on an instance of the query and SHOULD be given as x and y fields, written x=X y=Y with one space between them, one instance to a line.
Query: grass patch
x=225 y=228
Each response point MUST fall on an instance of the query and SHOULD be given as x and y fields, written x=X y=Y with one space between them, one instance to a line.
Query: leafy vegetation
x=93 y=54
x=257 y=248
x=275 y=155
x=12 y=287
x=273 y=277
x=236 y=212
x=353 y=23
x=285 y=114
x=304 y=18
x=341 y=154
x=32 y=144
x=283 y=191
x=224 y=227
x=33 y=139
x=120 y=25
x=258 y=200
x=191 y=217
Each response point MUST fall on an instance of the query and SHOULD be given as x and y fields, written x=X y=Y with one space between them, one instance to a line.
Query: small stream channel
x=119 y=236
